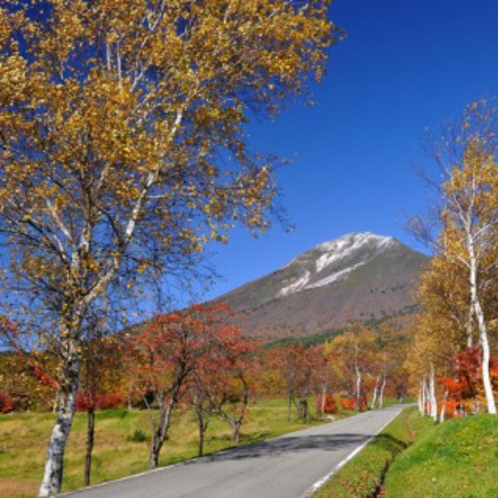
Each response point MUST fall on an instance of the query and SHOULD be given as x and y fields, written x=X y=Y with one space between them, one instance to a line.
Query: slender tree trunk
x=303 y=409
x=421 y=399
x=427 y=398
x=358 y=390
x=442 y=413
x=374 y=394
x=483 y=330
x=202 y=431
x=236 y=425
x=424 y=396
x=381 y=394
x=486 y=356
x=52 y=477
x=89 y=445
x=290 y=400
x=432 y=393
x=470 y=326
x=202 y=425
x=324 y=394
x=160 y=430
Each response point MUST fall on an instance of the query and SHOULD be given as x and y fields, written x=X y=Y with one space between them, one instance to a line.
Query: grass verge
x=458 y=459
x=363 y=476
x=118 y=452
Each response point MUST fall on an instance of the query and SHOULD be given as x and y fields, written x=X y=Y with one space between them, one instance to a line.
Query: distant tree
x=122 y=145
x=353 y=353
x=298 y=367
x=196 y=351
x=228 y=388
x=100 y=373
x=199 y=401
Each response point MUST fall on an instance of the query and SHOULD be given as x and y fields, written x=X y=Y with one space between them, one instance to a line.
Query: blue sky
x=405 y=66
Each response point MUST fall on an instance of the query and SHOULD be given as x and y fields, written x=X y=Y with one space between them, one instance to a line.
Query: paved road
x=285 y=467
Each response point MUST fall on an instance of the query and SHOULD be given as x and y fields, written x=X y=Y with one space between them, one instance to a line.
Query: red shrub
x=6 y=403
x=330 y=404
x=347 y=404
x=110 y=400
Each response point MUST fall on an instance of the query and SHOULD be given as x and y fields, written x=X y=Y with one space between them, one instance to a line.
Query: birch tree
x=353 y=352
x=469 y=236
x=122 y=145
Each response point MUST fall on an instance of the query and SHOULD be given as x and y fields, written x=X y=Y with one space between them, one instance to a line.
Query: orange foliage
x=330 y=405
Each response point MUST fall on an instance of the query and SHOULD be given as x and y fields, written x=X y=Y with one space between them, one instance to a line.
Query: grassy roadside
x=458 y=459
x=23 y=439
x=362 y=476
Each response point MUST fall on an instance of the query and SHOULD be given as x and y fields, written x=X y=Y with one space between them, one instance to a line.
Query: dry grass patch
x=23 y=440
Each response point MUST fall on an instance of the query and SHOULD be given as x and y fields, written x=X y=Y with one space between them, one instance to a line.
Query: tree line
x=198 y=360
x=454 y=357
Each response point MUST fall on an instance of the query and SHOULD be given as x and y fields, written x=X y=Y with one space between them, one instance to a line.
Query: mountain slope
x=359 y=276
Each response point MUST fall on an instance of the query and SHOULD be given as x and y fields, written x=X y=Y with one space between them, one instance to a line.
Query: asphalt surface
x=285 y=467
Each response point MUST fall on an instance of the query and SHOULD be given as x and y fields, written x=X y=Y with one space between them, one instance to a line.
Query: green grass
x=458 y=459
x=362 y=476
x=23 y=440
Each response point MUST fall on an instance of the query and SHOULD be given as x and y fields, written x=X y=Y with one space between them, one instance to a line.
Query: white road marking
x=313 y=489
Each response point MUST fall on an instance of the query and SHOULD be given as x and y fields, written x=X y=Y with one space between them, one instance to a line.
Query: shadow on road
x=293 y=444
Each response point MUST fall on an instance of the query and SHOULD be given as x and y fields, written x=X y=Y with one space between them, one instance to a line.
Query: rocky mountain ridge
x=360 y=276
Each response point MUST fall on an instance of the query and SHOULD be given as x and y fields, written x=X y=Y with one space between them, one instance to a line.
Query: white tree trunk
x=381 y=394
x=470 y=326
x=52 y=478
x=374 y=394
x=432 y=394
x=442 y=413
x=358 y=389
x=483 y=330
x=421 y=398
x=425 y=396
x=324 y=394
x=486 y=356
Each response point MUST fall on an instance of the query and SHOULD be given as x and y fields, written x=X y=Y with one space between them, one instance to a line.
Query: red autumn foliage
x=330 y=405
x=6 y=403
x=463 y=385
x=349 y=403
x=455 y=408
x=465 y=379
x=91 y=401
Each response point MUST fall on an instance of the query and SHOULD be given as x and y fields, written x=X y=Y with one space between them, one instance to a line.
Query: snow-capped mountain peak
x=333 y=261
x=360 y=276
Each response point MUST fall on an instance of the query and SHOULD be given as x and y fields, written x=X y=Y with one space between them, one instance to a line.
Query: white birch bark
x=358 y=389
x=482 y=327
x=374 y=394
x=442 y=413
x=381 y=394
x=421 y=398
x=52 y=478
x=432 y=393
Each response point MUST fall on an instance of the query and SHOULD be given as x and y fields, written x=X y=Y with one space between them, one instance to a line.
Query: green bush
x=138 y=436
x=121 y=413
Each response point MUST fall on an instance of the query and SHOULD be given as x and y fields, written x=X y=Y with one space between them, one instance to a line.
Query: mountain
x=360 y=276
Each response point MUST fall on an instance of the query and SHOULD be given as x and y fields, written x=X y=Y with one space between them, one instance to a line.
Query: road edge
x=321 y=482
